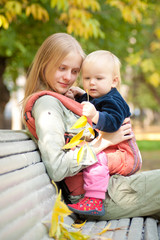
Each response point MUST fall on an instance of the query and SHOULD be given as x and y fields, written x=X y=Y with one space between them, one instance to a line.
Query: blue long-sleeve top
x=112 y=108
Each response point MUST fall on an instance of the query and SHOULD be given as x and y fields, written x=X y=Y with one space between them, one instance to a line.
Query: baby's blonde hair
x=110 y=58
x=55 y=48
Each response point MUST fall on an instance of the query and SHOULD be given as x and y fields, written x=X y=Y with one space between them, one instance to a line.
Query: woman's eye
x=61 y=68
x=75 y=71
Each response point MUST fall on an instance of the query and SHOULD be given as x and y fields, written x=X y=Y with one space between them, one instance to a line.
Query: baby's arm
x=90 y=111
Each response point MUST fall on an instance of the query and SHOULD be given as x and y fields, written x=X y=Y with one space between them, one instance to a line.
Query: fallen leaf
x=104 y=229
x=76 y=225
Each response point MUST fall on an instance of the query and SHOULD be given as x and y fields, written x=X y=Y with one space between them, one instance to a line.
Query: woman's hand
x=105 y=139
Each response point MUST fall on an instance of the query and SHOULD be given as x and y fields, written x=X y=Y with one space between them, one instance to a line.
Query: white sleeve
x=52 y=120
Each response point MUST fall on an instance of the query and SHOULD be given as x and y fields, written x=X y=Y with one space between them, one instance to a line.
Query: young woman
x=55 y=68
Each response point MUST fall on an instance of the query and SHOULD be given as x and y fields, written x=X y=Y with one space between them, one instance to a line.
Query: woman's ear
x=115 y=81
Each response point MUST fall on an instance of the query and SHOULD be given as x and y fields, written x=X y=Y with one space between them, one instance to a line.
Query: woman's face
x=66 y=74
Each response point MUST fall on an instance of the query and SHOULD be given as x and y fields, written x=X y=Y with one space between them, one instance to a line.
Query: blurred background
x=128 y=28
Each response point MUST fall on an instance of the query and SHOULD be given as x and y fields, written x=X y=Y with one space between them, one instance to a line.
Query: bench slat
x=18 y=161
x=10 y=135
x=22 y=190
x=159 y=230
x=16 y=177
x=87 y=228
x=109 y=234
x=20 y=226
x=7 y=148
x=26 y=204
x=151 y=232
x=136 y=229
x=121 y=234
x=38 y=232
x=98 y=226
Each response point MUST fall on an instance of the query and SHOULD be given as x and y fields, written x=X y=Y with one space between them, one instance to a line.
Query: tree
x=25 y=24
x=128 y=28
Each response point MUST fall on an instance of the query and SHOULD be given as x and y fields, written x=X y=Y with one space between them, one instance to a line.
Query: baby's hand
x=69 y=94
x=77 y=91
x=90 y=111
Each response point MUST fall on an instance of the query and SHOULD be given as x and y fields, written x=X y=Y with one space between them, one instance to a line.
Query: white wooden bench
x=27 y=197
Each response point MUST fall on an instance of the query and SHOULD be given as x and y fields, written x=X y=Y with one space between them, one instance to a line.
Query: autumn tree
x=128 y=28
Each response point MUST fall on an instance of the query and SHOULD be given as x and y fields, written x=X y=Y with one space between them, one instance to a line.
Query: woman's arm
x=105 y=139
x=52 y=120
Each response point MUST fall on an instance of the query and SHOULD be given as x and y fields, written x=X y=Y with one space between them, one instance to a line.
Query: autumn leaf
x=90 y=151
x=81 y=122
x=104 y=229
x=80 y=154
x=78 y=225
x=91 y=131
x=74 y=141
x=60 y=210
x=71 y=145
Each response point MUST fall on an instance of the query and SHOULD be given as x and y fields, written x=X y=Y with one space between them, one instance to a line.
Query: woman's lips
x=63 y=84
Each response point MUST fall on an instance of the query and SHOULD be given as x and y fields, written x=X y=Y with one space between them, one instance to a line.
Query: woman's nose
x=67 y=75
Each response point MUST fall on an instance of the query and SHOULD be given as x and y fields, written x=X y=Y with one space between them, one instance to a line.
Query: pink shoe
x=88 y=206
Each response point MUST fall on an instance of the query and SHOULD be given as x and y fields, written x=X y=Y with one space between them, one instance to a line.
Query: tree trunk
x=152 y=89
x=4 y=93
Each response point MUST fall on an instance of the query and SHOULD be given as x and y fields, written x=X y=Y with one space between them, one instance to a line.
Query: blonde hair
x=110 y=58
x=55 y=48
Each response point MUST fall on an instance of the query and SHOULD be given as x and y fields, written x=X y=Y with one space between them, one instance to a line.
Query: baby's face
x=97 y=78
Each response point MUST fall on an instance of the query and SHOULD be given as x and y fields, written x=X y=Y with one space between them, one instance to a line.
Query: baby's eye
x=99 y=78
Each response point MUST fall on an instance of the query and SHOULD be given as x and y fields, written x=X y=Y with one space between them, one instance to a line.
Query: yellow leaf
x=90 y=151
x=78 y=235
x=75 y=225
x=71 y=145
x=81 y=122
x=157 y=32
x=104 y=229
x=147 y=65
x=155 y=46
x=61 y=210
x=80 y=154
x=91 y=131
x=28 y=11
x=77 y=137
x=154 y=79
x=74 y=141
x=55 y=186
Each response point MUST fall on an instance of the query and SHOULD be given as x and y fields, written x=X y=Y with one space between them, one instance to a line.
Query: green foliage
x=148 y=145
x=130 y=29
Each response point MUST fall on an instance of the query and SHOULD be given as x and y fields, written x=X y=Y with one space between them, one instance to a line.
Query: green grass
x=148 y=145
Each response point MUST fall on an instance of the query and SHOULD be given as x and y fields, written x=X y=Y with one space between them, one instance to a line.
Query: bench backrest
x=26 y=193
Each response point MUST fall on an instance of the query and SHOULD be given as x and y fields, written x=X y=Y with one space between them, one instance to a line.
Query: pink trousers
x=123 y=158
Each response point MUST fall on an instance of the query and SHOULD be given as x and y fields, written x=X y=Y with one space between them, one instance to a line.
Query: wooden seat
x=27 y=197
